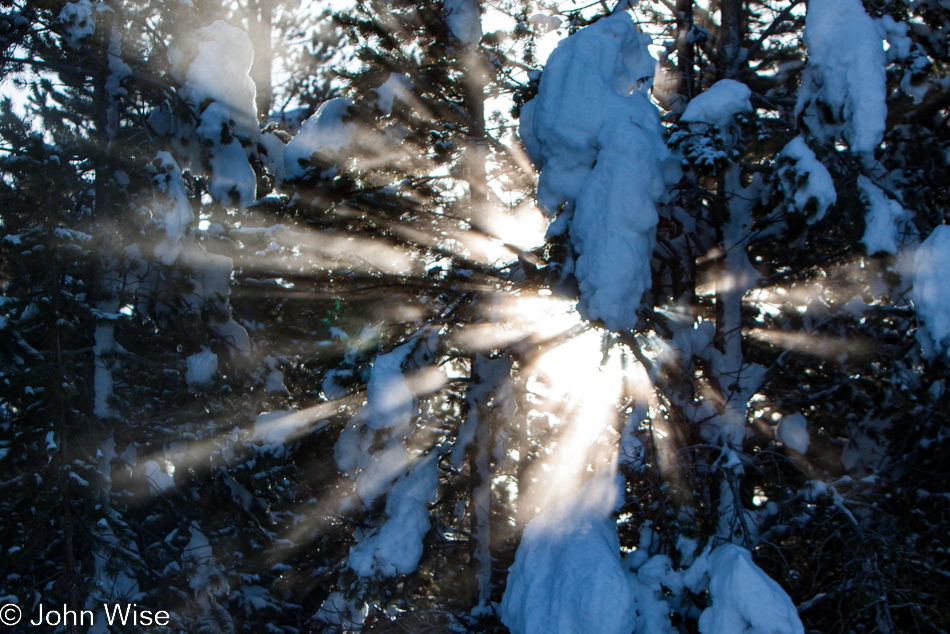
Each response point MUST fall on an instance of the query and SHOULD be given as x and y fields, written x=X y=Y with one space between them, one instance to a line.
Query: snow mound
x=272 y=155
x=232 y=177
x=206 y=575
x=720 y=104
x=545 y=23
x=219 y=87
x=567 y=576
x=325 y=134
x=339 y=613
x=212 y=280
x=172 y=209
x=396 y=546
x=390 y=402
x=883 y=219
x=234 y=334
x=845 y=75
x=652 y=613
x=275 y=378
x=221 y=73
x=598 y=142
x=374 y=446
x=464 y=21
x=80 y=20
x=397 y=86
x=158 y=478
x=931 y=278
x=201 y=367
x=792 y=432
x=806 y=179
x=745 y=599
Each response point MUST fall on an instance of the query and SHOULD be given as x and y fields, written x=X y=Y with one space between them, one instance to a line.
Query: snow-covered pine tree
x=780 y=277
x=416 y=131
x=62 y=188
x=733 y=327
x=122 y=176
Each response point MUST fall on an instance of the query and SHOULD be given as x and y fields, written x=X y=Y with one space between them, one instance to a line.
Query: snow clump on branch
x=845 y=75
x=598 y=143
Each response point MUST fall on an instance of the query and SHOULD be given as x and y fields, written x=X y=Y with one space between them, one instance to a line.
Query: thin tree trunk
x=733 y=373
x=104 y=266
x=731 y=57
x=476 y=150
x=685 y=57
x=481 y=492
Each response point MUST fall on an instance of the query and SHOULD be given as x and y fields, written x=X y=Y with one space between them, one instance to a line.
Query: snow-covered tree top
x=845 y=74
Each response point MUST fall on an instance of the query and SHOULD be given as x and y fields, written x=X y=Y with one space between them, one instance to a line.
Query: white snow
x=212 y=278
x=275 y=378
x=845 y=73
x=883 y=220
x=273 y=155
x=397 y=86
x=792 y=432
x=597 y=140
x=158 y=477
x=256 y=598
x=567 y=576
x=378 y=470
x=614 y=227
x=396 y=546
x=931 y=292
x=201 y=367
x=239 y=494
x=719 y=105
x=899 y=43
x=219 y=87
x=806 y=179
x=234 y=334
x=325 y=134
x=745 y=599
x=585 y=88
x=386 y=420
x=652 y=613
x=544 y=23
x=215 y=119
x=330 y=386
x=273 y=429
x=118 y=70
x=647 y=580
x=220 y=72
x=232 y=177
x=346 y=615
x=206 y=576
x=464 y=20
x=171 y=209
x=390 y=402
x=80 y=18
